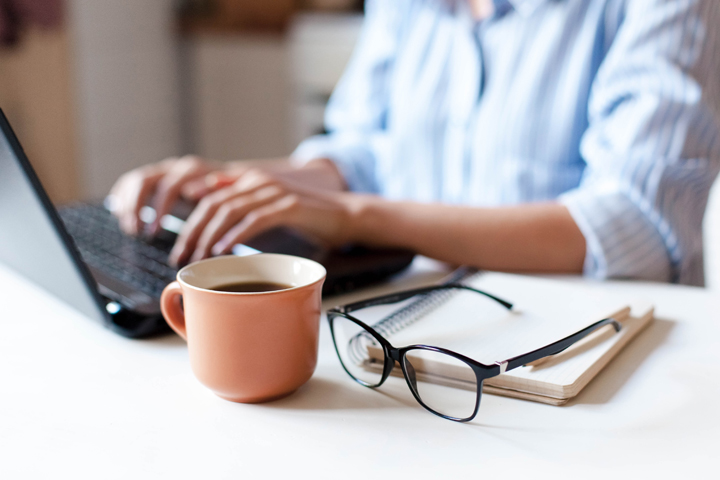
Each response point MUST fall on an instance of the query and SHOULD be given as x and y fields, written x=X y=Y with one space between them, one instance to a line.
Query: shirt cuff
x=621 y=240
x=352 y=158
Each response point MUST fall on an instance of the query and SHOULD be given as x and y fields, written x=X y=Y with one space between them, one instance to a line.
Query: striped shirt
x=611 y=107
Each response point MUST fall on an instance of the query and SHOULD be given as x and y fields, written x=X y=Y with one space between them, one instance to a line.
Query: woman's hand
x=258 y=201
x=164 y=182
x=193 y=178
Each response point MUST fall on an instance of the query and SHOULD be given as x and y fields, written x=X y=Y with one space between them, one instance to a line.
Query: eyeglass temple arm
x=558 y=346
x=400 y=296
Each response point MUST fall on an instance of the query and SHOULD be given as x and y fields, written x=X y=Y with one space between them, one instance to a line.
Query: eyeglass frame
x=393 y=355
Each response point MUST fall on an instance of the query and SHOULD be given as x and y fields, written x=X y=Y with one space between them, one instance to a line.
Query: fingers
x=131 y=192
x=254 y=203
x=279 y=212
x=164 y=179
x=248 y=198
x=230 y=214
x=199 y=187
x=196 y=222
x=170 y=185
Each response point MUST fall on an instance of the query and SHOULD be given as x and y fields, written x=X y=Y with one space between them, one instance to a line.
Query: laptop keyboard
x=105 y=247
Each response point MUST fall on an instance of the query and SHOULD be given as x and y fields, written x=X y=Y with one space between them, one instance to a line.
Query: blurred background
x=95 y=88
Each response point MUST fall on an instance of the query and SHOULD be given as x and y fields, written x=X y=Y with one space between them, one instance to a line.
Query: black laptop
x=78 y=252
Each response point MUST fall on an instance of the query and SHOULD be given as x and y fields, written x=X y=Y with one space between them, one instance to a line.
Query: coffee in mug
x=251 y=323
x=251 y=287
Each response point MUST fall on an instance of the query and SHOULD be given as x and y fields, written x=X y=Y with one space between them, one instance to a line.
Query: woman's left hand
x=258 y=201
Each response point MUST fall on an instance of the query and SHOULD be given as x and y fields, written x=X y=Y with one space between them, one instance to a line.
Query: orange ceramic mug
x=248 y=347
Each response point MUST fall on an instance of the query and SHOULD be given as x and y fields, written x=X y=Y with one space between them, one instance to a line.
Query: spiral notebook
x=544 y=311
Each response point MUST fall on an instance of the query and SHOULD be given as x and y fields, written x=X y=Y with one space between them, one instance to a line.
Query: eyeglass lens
x=432 y=376
x=428 y=372
x=360 y=353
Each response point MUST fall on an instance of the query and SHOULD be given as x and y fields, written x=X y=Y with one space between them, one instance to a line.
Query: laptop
x=79 y=253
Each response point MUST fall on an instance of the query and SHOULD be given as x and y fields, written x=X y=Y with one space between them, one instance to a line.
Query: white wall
x=258 y=96
x=319 y=46
x=35 y=87
x=240 y=102
x=712 y=239
x=126 y=87
x=142 y=94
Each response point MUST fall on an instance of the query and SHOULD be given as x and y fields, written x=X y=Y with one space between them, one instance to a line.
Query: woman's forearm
x=527 y=238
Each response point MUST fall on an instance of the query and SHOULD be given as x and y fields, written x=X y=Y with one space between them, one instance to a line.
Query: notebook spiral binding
x=417 y=309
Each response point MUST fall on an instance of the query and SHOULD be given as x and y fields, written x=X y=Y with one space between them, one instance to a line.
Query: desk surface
x=79 y=400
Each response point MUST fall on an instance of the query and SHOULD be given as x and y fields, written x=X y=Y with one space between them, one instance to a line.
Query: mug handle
x=171 y=309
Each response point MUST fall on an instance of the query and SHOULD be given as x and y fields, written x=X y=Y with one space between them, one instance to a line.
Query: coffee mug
x=248 y=347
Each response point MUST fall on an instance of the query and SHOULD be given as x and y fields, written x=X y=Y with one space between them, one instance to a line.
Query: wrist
x=362 y=214
x=320 y=174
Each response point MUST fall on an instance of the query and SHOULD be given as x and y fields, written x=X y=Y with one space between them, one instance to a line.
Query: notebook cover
x=553 y=380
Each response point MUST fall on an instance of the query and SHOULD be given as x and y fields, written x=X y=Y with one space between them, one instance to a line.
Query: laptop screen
x=32 y=240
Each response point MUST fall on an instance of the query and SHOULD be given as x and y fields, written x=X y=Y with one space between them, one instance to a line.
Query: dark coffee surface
x=251 y=287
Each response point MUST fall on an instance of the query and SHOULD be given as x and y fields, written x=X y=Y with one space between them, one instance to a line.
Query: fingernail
x=219 y=248
x=173 y=258
x=199 y=255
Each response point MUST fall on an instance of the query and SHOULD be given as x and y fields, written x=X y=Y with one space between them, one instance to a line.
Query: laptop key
x=107 y=249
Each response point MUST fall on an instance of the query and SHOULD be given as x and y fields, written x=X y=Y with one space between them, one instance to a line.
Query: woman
x=521 y=135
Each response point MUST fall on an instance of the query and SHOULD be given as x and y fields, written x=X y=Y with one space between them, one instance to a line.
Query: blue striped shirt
x=611 y=107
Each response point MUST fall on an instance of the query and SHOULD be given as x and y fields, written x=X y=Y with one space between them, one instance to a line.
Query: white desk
x=77 y=400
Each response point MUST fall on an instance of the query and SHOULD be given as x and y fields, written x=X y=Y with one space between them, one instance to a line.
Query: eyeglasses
x=369 y=358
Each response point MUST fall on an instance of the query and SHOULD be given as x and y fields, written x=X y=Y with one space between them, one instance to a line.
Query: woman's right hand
x=161 y=184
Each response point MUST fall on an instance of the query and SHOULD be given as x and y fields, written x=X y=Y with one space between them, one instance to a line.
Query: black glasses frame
x=482 y=372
